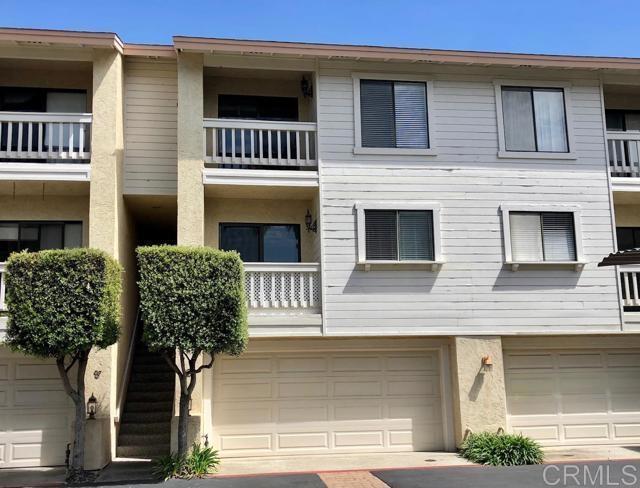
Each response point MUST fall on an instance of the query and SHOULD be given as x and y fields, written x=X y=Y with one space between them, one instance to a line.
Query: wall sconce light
x=487 y=363
x=92 y=406
x=312 y=225
x=306 y=87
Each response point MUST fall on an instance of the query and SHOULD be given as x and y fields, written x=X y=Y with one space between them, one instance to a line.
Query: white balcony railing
x=624 y=154
x=237 y=143
x=282 y=286
x=2 y=288
x=48 y=136
x=630 y=285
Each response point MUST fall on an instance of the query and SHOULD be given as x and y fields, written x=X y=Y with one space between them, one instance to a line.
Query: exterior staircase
x=145 y=428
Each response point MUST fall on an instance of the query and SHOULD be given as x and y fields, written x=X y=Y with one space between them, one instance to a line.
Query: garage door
x=574 y=397
x=306 y=402
x=35 y=413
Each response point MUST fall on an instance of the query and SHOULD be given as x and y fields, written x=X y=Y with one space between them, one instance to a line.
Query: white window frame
x=434 y=207
x=395 y=151
x=505 y=209
x=568 y=113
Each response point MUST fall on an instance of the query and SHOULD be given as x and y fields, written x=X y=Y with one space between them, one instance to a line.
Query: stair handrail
x=127 y=369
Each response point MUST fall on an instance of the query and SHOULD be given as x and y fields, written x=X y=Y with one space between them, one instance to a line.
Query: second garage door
x=307 y=402
x=574 y=397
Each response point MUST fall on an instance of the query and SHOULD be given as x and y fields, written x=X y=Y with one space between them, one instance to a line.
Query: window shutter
x=517 y=114
x=411 y=115
x=415 y=229
x=381 y=235
x=526 y=236
x=559 y=236
x=377 y=113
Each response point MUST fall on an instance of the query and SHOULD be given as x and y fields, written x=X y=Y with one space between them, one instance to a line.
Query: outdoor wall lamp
x=92 y=406
x=312 y=225
x=487 y=363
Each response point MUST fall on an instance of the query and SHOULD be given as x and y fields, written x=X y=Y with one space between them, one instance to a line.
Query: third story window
x=393 y=114
x=542 y=236
x=399 y=235
x=534 y=119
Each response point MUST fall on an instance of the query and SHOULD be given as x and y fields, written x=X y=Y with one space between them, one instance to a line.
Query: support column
x=478 y=393
x=105 y=209
x=190 y=150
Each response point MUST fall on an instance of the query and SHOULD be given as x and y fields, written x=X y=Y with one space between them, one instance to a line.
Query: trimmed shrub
x=61 y=304
x=192 y=301
x=501 y=449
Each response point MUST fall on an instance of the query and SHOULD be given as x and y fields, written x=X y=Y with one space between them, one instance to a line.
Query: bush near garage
x=501 y=449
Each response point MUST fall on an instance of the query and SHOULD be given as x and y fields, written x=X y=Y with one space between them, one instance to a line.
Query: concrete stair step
x=137 y=395
x=146 y=406
x=150 y=368
x=151 y=386
x=141 y=428
x=127 y=440
x=148 y=451
x=145 y=416
x=162 y=376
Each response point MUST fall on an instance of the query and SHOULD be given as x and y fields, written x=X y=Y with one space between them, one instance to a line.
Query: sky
x=587 y=27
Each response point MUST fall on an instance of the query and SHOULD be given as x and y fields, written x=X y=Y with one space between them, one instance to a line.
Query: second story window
x=542 y=236
x=391 y=116
x=257 y=243
x=534 y=119
x=38 y=236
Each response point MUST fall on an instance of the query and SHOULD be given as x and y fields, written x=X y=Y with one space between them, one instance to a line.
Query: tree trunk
x=77 y=460
x=183 y=423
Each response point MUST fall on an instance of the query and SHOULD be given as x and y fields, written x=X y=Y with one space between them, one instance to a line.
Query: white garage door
x=292 y=403
x=35 y=413
x=574 y=397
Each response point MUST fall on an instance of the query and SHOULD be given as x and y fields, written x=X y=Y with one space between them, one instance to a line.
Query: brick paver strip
x=351 y=479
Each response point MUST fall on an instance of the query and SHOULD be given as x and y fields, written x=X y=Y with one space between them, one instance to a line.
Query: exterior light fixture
x=306 y=87
x=312 y=225
x=487 y=363
x=92 y=406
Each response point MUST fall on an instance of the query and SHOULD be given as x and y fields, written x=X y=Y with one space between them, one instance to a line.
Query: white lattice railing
x=630 y=281
x=259 y=143
x=35 y=135
x=624 y=154
x=2 y=288
x=282 y=285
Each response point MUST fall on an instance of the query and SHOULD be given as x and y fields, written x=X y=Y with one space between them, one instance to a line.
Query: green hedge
x=192 y=298
x=501 y=449
x=62 y=301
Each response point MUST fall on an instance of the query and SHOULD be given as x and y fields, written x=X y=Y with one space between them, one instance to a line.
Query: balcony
x=45 y=146
x=256 y=152
x=283 y=294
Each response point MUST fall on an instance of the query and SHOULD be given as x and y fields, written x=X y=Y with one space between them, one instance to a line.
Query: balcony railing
x=2 y=288
x=45 y=136
x=624 y=154
x=630 y=285
x=283 y=287
x=256 y=143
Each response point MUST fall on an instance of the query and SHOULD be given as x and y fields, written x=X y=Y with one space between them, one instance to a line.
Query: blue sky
x=539 y=26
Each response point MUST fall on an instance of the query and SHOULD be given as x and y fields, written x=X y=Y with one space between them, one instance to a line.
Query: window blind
x=399 y=235
x=542 y=236
x=393 y=114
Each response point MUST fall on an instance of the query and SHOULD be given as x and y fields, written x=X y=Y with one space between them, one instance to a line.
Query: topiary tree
x=192 y=302
x=61 y=304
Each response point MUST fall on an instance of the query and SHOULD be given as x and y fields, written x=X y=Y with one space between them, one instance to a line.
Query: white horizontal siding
x=473 y=292
x=151 y=111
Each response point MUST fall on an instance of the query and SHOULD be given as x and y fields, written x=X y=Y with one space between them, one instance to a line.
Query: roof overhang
x=621 y=258
x=386 y=54
x=59 y=38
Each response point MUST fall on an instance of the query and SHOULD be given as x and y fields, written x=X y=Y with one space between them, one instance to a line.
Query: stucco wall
x=230 y=210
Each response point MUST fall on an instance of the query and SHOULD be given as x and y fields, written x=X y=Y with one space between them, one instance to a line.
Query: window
x=534 y=119
x=258 y=107
x=392 y=116
x=542 y=236
x=256 y=243
x=408 y=233
x=623 y=120
x=628 y=238
x=37 y=236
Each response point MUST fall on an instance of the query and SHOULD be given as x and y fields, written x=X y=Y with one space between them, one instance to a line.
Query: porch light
x=92 y=406
x=312 y=225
